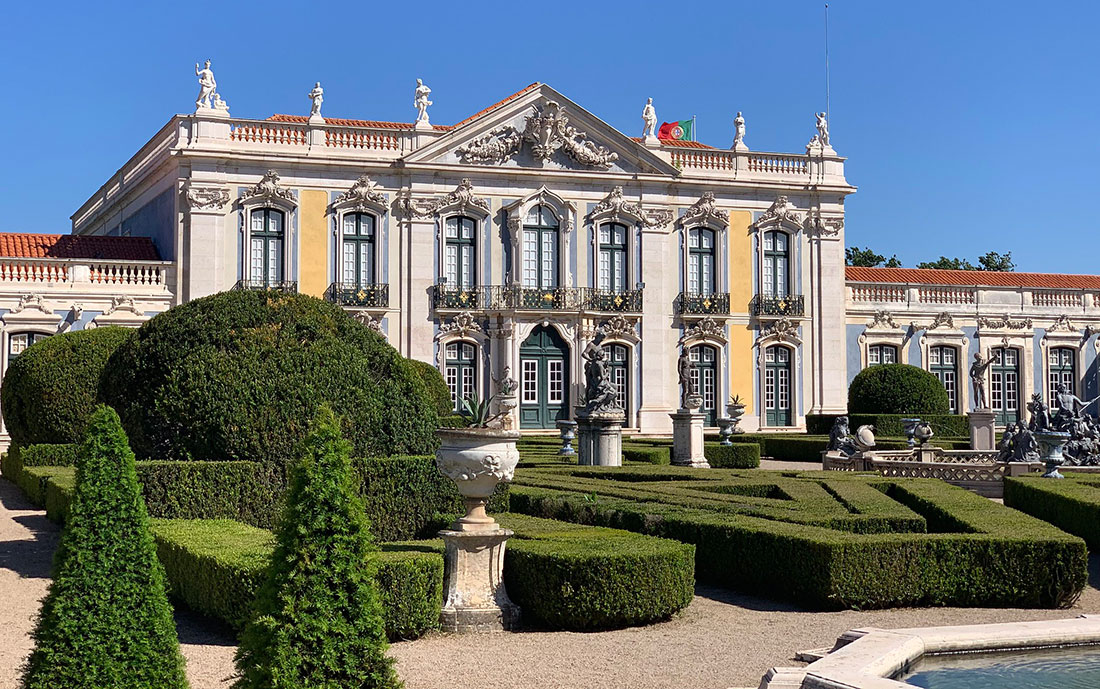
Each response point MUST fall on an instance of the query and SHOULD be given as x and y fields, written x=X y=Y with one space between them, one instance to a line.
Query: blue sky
x=969 y=126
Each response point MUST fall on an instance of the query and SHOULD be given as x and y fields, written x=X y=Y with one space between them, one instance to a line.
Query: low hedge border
x=737 y=456
x=648 y=454
x=944 y=425
x=216 y=566
x=994 y=557
x=1072 y=504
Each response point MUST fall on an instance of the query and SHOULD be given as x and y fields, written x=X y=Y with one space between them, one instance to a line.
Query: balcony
x=629 y=301
x=717 y=304
x=368 y=296
x=790 y=305
x=535 y=298
x=284 y=286
x=465 y=298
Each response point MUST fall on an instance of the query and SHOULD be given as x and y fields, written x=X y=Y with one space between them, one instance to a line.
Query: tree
x=106 y=621
x=319 y=620
x=945 y=263
x=866 y=258
x=991 y=261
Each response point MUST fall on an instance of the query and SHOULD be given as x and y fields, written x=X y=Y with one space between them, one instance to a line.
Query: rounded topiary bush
x=435 y=386
x=896 y=389
x=238 y=375
x=49 y=391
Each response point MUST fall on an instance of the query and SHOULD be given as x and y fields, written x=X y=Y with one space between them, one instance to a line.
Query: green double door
x=544 y=379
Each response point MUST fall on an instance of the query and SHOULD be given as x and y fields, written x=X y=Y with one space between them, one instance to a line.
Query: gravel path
x=722 y=640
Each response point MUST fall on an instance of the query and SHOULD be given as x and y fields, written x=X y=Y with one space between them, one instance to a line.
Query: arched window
x=1062 y=370
x=882 y=354
x=943 y=362
x=460 y=371
x=701 y=261
x=776 y=274
x=704 y=378
x=540 y=249
x=777 y=386
x=613 y=263
x=460 y=251
x=266 y=253
x=359 y=237
x=618 y=360
x=1004 y=380
x=18 y=343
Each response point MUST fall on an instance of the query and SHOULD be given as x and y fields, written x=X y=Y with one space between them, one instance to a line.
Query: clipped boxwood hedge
x=436 y=388
x=216 y=567
x=897 y=389
x=944 y=425
x=237 y=375
x=827 y=541
x=650 y=454
x=1072 y=504
x=736 y=456
x=49 y=391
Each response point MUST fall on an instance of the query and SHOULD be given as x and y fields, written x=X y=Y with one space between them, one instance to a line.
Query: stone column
x=203 y=260
x=657 y=348
x=687 y=438
x=600 y=438
x=417 y=339
x=983 y=434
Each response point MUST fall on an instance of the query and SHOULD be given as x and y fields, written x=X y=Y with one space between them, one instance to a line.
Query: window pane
x=556 y=381
x=366 y=263
x=452 y=228
x=275 y=221
x=530 y=381
x=549 y=259
x=451 y=260
x=530 y=258
x=349 y=223
x=349 y=263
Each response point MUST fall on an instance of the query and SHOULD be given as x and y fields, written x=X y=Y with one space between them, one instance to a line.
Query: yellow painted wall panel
x=742 y=366
x=313 y=258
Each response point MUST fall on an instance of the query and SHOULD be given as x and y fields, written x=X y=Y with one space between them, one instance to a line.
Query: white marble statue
x=649 y=116
x=822 y=128
x=738 y=130
x=420 y=100
x=317 y=95
x=208 y=87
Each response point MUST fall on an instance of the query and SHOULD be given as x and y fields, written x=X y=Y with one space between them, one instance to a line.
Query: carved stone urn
x=475 y=600
x=734 y=411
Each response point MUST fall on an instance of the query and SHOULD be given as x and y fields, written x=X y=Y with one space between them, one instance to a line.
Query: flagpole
x=694 y=130
x=828 y=113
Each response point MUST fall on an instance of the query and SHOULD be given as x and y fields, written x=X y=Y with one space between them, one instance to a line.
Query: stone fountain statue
x=600 y=420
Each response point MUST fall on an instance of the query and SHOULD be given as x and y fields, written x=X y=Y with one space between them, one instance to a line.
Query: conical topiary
x=106 y=621
x=318 y=622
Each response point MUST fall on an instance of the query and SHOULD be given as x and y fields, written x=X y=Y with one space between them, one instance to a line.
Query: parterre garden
x=217 y=395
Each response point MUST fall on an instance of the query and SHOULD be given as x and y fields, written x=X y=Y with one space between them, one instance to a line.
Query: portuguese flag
x=681 y=130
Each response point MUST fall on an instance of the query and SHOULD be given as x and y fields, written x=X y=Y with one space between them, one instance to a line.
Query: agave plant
x=479 y=410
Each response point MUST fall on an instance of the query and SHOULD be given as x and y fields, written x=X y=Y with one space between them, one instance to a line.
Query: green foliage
x=477 y=410
x=991 y=261
x=896 y=389
x=106 y=621
x=650 y=454
x=945 y=263
x=217 y=566
x=736 y=456
x=566 y=576
x=49 y=391
x=1072 y=504
x=237 y=376
x=890 y=425
x=826 y=541
x=865 y=258
x=319 y=619
x=249 y=492
x=435 y=386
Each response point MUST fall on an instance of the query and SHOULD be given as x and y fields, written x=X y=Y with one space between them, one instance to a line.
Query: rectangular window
x=17 y=345
x=530 y=258
x=556 y=384
x=708 y=388
x=530 y=381
x=549 y=260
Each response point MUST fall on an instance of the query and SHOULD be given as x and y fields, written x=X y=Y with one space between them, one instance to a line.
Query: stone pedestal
x=687 y=438
x=600 y=439
x=983 y=433
x=472 y=601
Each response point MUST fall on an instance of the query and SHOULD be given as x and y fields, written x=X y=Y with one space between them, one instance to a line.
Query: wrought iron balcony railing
x=535 y=298
x=467 y=298
x=629 y=301
x=714 y=304
x=370 y=296
x=286 y=286
x=790 y=305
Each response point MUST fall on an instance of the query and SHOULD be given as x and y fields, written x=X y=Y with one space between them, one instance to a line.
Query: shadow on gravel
x=1094 y=571
x=30 y=558
x=743 y=600
x=200 y=630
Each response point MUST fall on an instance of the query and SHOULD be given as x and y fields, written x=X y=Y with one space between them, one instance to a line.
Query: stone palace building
x=503 y=243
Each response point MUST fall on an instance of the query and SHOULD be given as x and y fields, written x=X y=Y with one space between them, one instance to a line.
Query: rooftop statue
x=822 y=128
x=421 y=102
x=649 y=116
x=317 y=95
x=208 y=86
x=738 y=130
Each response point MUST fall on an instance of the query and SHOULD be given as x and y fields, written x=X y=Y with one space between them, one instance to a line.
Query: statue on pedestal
x=840 y=438
x=822 y=128
x=977 y=380
x=649 y=116
x=738 y=131
x=1070 y=408
x=317 y=95
x=684 y=368
x=208 y=86
x=421 y=102
x=600 y=392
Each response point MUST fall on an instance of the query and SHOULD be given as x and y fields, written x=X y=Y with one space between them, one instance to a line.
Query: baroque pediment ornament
x=462 y=198
x=363 y=195
x=942 y=320
x=268 y=188
x=31 y=302
x=462 y=324
x=882 y=320
x=782 y=329
x=123 y=303
x=618 y=326
x=707 y=328
x=206 y=198
x=616 y=207
x=547 y=130
x=704 y=210
x=1004 y=323
x=818 y=226
x=780 y=211
x=1062 y=324
x=372 y=322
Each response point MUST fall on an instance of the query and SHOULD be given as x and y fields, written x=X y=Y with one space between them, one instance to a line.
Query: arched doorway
x=705 y=379
x=777 y=386
x=544 y=379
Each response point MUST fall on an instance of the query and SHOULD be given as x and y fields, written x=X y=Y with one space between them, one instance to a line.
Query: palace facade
x=504 y=242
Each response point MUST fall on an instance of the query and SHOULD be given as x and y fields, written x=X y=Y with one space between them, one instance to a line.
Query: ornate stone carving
x=704 y=329
x=657 y=217
x=649 y=117
x=619 y=326
x=822 y=125
x=462 y=324
x=124 y=303
x=31 y=301
x=781 y=210
x=269 y=188
x=208 y=89
x=739 y=132
x=1004 y=323
x=706 y=208
x=363 y=195
x=368 y=320
x=462 y=196
x=818 y=226
x=467 y=469
x=547 y=130
x=421 y=102
x=616 y=205
x=882 y=320
x=206 y=198
x=1062 y=324
x=782 y=329
x=316 y=97
x=942 y=320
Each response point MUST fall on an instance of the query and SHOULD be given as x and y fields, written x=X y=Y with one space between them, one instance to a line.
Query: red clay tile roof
x=677 y=142
x=927 y=276
x=341 y=122
x=29 y=245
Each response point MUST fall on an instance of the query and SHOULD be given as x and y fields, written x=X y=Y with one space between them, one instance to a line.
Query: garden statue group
x=841 y=440
x=1018 y=444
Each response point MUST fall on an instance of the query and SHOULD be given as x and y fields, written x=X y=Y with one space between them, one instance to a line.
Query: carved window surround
x=895 y=338
x=363 y=197
x=614 y=208
x=790 y=341
x=564 y=211
x=268 y=193
x=705 y=213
